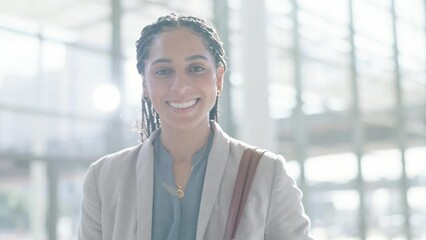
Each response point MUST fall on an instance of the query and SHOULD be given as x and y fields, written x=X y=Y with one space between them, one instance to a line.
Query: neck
x=183 y=143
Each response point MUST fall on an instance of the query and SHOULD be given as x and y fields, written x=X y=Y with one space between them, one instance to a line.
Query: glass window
x=411 y=10
x=338 y=168
x=416 y=164
x=333 y=10
x=19 y=71
x=411 y=41
x=21 y=199
x=416 y=172
x=334 y=215
x=385 y=219
x=278 y=7
x=381 y=165
x=369 y=20
x=417 y=201
x=70 y=180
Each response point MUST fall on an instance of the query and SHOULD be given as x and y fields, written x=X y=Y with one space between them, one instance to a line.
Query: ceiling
x=87 y=23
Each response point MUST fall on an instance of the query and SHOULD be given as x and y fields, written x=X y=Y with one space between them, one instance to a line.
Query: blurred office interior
x=336 y=86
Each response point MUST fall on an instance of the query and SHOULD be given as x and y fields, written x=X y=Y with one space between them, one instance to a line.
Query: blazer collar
x=144 y=188
x=145 y=181
x=215 y=169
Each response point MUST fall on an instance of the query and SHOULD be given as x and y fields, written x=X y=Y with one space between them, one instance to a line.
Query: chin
x=187 y=123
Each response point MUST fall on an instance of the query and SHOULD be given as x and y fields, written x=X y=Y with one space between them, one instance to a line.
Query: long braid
x=213 y=115
x=150 y=118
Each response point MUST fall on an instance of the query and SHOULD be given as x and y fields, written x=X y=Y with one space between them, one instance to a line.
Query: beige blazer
x=118 y=190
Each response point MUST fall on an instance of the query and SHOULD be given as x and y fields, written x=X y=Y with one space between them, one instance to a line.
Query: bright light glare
x=345 y=200
x=331 y=168
x=417 y=198
x=106 y=97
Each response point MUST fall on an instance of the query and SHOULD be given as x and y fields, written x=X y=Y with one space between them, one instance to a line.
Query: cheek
x=157 y=91
x=153 y=85
x=212 y=84
x=157 y=88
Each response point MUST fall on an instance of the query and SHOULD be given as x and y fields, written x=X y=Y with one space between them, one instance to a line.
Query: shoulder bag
x=246 y=172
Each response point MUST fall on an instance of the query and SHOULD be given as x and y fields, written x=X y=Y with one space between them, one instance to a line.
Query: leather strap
x=245 y=176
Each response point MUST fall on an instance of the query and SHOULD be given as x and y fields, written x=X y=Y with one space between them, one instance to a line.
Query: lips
x=184 y=104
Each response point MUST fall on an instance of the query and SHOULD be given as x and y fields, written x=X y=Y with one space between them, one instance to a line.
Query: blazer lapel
x=215 y=169
x=144 y=188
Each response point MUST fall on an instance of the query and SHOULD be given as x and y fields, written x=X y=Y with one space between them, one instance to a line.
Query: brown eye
x=196 y=69
x=163 y=72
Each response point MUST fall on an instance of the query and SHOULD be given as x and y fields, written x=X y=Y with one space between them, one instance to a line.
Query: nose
x=180 y=83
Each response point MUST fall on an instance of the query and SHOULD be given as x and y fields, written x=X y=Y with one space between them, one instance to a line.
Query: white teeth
x=186 y=104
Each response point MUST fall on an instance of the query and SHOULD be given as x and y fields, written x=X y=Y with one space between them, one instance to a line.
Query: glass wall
x=359 y=67
x=346 y=90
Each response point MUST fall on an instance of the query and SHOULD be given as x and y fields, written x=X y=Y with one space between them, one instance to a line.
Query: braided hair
x=150 y=118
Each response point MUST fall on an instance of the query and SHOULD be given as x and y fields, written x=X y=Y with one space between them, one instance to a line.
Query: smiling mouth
x=183 y=105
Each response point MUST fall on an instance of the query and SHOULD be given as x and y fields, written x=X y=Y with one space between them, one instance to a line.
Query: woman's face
x=181 y=78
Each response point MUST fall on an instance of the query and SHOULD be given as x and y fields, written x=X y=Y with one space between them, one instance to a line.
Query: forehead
x=179 y=40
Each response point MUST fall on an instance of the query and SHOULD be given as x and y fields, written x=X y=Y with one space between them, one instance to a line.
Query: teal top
x=174 y=218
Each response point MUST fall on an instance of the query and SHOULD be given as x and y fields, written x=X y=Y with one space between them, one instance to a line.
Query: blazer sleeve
x=90 y=223
x=286 y=218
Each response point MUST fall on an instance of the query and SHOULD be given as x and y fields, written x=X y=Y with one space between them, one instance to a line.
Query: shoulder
x=118 y=161
x=269 y=158
x=237 y=148
x=112 y=173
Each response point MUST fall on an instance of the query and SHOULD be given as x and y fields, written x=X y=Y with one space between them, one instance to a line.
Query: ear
x=220 y=74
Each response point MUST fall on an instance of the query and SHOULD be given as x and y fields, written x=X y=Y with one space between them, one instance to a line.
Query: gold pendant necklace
x=180 y=191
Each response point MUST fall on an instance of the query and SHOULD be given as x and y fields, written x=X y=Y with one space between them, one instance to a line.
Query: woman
x=178 y=183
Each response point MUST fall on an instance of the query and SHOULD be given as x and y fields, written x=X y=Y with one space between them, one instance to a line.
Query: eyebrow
x=162 y=60
x=195 y=57
x=168 y=60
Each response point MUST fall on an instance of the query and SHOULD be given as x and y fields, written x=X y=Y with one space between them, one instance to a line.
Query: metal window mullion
x=357 y=128
x=52 y=181
x=221 y=20
x=51 y=215
x=113 y=129
x=300 y=118
x=400 y=124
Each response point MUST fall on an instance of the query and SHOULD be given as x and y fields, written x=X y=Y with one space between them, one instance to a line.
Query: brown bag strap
x=245 y=176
